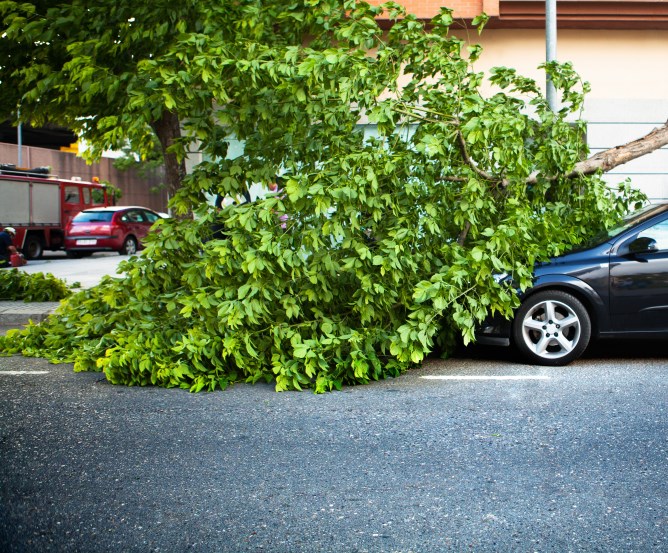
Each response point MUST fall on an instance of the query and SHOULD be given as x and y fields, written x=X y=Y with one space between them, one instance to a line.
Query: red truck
x=39 y=206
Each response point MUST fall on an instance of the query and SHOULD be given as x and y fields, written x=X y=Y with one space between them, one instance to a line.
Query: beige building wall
x=617 y=64
x=629 y=87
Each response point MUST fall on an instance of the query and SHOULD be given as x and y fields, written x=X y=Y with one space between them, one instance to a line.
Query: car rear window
x=93 y=217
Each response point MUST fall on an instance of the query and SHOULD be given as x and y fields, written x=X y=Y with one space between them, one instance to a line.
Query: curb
x=18 y=313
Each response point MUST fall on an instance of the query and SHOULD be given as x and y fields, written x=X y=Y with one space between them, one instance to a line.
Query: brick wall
x=465 y=9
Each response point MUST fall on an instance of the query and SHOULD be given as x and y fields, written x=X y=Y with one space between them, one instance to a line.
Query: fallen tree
x=619 y=155
x=379 y=248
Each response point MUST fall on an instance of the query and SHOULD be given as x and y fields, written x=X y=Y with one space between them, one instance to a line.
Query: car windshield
x=632 y=219
x=93 y=217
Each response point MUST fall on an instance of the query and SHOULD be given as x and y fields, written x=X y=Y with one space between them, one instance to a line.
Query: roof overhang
x=571 y=14
x=588 y=14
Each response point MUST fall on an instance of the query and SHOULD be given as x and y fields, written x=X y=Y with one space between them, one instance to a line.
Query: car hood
x=576 y=261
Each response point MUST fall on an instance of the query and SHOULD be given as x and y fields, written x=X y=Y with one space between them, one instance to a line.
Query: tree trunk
x=168 y=131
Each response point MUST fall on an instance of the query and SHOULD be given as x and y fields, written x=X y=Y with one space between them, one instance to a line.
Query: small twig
x=417 y=116
x=452 y=179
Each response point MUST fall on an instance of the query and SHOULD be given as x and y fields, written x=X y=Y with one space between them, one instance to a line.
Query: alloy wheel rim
x=551 y=329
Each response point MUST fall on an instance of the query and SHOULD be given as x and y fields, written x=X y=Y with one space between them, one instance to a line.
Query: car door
x=639 y=281
x=71 y=202
x=136 y=223
x=144 y=223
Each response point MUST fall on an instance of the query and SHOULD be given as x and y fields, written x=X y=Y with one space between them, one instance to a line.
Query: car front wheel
x=129 y=246
x=551 y=328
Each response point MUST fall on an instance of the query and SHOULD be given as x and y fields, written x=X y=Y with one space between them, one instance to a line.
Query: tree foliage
x=378 y=247
x=120 y=71
x=82 y=64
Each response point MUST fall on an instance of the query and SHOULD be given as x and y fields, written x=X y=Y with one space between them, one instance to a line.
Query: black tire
x=33 y=248
x=551 y=328
x=130 y=246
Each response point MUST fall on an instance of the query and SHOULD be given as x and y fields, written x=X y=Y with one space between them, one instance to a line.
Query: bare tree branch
x=464 y=233
x=469 y=161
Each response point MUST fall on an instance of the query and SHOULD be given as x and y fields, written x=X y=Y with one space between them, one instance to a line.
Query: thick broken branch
x=603 y=161
x=619 y=155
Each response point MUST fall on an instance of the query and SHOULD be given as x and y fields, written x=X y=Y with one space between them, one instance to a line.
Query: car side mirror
x=644 y=244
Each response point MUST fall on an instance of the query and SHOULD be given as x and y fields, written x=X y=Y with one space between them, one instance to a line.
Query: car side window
x=150 y=217
x=134 y=217
x=658 y=233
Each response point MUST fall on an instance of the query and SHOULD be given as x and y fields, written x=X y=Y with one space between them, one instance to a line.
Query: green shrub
x=29 y=287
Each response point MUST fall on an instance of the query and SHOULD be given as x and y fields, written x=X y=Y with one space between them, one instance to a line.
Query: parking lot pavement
x=459 y=455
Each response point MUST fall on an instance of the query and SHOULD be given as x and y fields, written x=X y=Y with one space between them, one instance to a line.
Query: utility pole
x=551 y=48
x=19 y=139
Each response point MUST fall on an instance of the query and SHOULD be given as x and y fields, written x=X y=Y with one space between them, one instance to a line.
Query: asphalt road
x=468 y=454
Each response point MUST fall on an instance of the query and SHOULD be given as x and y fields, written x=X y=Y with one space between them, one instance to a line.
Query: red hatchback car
x=116 y=228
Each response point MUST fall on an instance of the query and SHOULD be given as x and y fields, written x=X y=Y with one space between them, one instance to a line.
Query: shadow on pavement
x=599 y=349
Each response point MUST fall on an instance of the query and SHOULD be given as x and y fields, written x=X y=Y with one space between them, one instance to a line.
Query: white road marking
x=480 y=377
x=19 y=373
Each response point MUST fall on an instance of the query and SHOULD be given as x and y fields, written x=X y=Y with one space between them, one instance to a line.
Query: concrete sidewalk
x=16 y=314
x=87 y=272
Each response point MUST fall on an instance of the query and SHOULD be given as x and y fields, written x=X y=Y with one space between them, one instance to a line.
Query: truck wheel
x=129 y=246
x=33 y=248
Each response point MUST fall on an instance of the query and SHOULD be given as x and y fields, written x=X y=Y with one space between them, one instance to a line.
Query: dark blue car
x=616 y=286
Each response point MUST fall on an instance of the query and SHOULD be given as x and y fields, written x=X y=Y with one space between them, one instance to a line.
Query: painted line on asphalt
x=20 y=373
x=478 y=377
